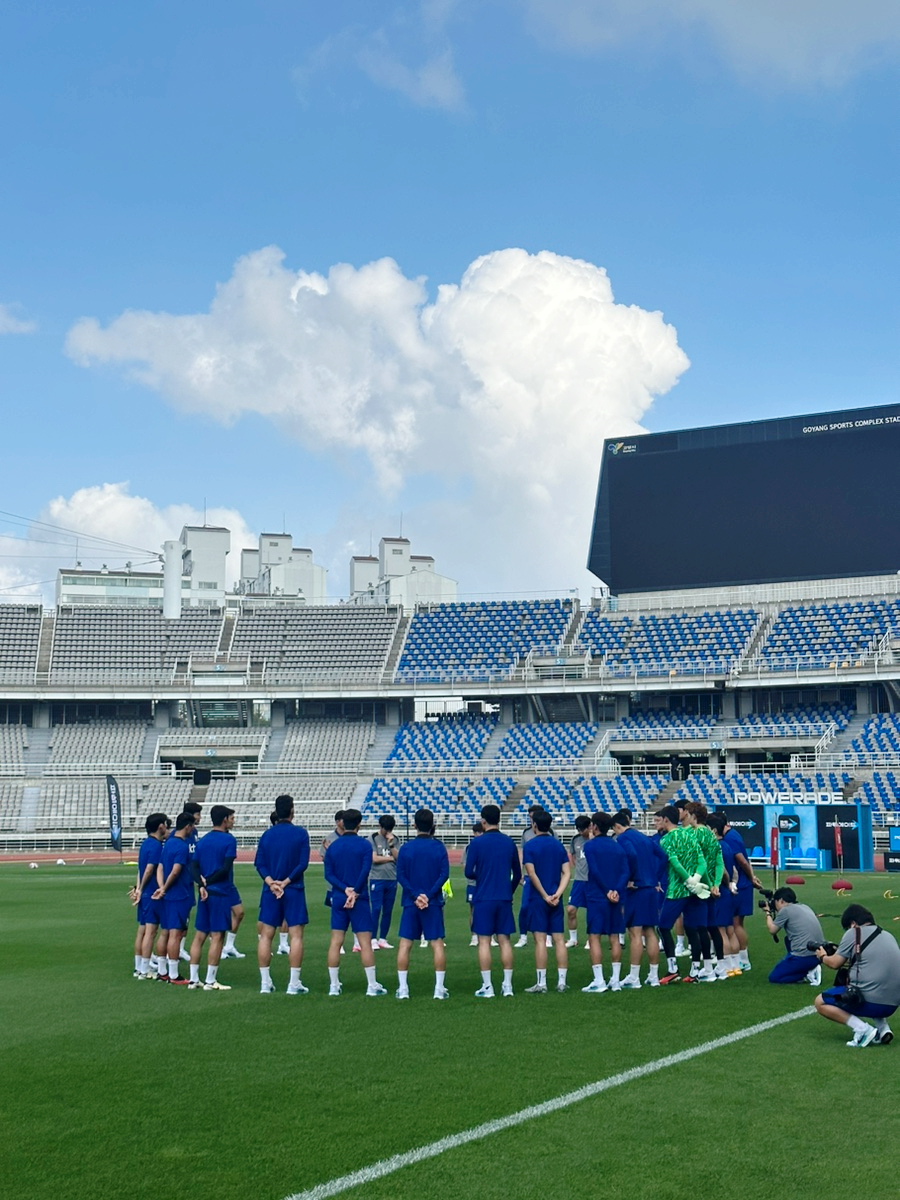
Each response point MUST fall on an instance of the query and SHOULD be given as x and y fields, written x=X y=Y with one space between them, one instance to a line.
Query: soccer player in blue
x=176 y=890
x=605 y=894
x=348 y=860
x=492 y=861
x=422 y=870
x=148 y=909
x=282 y=857
x=646 y=863
x=746 y=883
x=547 y=867
x=213 y=866
x=196 y=811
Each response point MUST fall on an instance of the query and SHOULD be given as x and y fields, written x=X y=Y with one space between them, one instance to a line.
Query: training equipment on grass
x=795 y=880
x=889 y=895
x=842 y=887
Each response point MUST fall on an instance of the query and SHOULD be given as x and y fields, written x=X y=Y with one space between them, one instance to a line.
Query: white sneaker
x=885 y=1037
x=682 y=951
x=441 y=994
x=401 y=994
x=721 y=972
x=297 y=989
x=287 y=950
x=376 y=989
x=375 y=945
x=523 y=941
x=494 y=942
x=266 y=989
x=215 y=986
x=651 y=982
x=562 y=987
x=184 y=956
x=860 y=1040
x=357 y=948
x=706 y=977
x=485 y=993
x=536 y=989
x=631 y=984
x=571 y=942
x=194 y=985
x=814 y=977
x=473 y=940
x=549 y=941
x=587 y=944
x=383 y=944
x=745 y=966
x=615 y=985
x=334 y=989
x=343 y=951
x=596 y=985
x=233 y=952
x=506 y=989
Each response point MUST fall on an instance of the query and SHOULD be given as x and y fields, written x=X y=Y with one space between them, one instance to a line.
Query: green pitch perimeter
x=114 y=1088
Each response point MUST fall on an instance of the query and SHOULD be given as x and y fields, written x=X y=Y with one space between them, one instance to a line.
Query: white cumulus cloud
x=501 y=389
x=103 y=524
x=10 y=323
x=797 y=41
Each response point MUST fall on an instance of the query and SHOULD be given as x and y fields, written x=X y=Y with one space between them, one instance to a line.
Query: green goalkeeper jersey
x=683 y=852
x=712 y=855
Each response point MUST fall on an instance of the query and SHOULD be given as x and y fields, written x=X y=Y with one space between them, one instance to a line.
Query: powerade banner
x=847 y=816
x=115 y=813
x=750 y=822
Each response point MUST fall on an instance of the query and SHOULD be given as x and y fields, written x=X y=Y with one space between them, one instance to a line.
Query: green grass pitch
x=113 y=1088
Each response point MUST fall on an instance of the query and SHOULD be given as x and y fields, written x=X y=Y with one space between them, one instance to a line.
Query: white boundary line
x=387 y=1166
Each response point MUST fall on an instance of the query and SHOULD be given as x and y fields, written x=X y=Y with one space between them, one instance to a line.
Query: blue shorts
x=149 y=911
x=358 y=918
x=213 y=915
x=835 y=996
x=176 y=913
x=290 y=908
x=234 y=897
x=793 y=968
x=541 y=917
x=641 y=907
x=576 y=896
x=605 y=917
x=695 y=912
x=422 y=922
x=724 y=907
x=493 y=916
x=744 y=905
x=669 y=912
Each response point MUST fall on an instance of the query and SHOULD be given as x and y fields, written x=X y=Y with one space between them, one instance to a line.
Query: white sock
x=334 y=975
x=881 y=1025
x=679 y=944
x=616 y=969
x=137 y=962
x=356 y=945
x=486 y=979
x=563 y=973
x=211 y=973
x=173 y=968
x=542 y=978
x=672 y=965
x=695 y=967
x=707 y=965
x=145 y=966
x=162 y=968
x=283 y=943
x=857 y=1025
x=597 y=968
x=653 y=973
x=507 y=978
x=403 y=980
x=370 y=976
x=181 y=946
x=265 y=976
x=634 y=973
x=439 y=980
x=229 y=941
x=744 y=958
x=295 y=976
x=195 y=972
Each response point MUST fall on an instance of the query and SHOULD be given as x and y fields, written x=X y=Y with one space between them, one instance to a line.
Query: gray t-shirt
x=576 y=846
x=801 y=925
x=381 y=846
x=879 y=964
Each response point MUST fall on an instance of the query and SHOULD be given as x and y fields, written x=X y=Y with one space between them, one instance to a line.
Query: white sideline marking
x=387 y=1166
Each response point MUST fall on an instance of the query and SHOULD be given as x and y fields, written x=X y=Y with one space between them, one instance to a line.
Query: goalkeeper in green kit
x=689 y=887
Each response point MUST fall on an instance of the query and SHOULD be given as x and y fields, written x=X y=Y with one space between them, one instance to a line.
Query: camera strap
x=858 y=948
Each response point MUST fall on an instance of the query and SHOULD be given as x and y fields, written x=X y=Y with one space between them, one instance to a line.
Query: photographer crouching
x=868 y=981
x=801 y=928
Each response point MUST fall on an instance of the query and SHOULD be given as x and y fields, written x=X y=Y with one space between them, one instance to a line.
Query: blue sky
x=735 y=171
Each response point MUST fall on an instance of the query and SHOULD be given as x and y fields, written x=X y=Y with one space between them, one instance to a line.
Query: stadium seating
x=763 y=788
x=780 y=723
x=316 y=642
x=880 y=735
x=567 y=798
x=480 y=641
x=92 y=644
x=450 y=739
x=882 y=792
x=20 y=632
x=454 y=800
x=683 y=643
x=661 y=726
x=325 y=741
x=822 y=636
x=316 y=798
x=12 y=745
x=546 y=742
x=103 y=743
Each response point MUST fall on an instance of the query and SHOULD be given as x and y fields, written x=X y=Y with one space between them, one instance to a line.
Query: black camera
x=768 y=901
x=828 y=947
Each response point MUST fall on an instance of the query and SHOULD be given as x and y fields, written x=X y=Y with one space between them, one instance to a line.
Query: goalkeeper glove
x=697 y=887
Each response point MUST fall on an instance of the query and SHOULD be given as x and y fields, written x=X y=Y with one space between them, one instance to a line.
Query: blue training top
x=646 y=858
x=422 y=869
x=548 y=857
x=348 y=861
x=216 y=850
x=177 y=850
x=283 y=853
x=493 y=862
x=607 y=868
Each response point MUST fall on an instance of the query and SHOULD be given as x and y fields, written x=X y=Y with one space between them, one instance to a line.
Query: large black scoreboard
x=814 y=497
